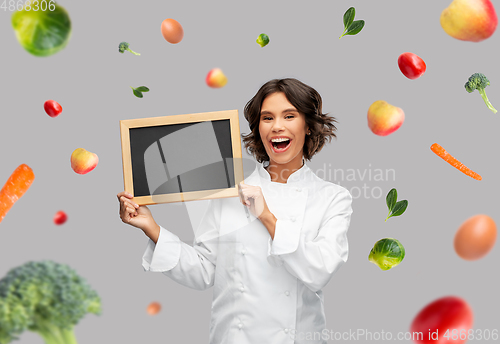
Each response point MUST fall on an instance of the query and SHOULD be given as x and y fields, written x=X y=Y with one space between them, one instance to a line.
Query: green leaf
x=349 y=17
x=355 y=28
x=391 y=199
x=399 y=208
x=138 y=94
x=142 y=89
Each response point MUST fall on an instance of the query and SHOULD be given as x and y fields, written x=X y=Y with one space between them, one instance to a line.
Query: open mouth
x=281 y=146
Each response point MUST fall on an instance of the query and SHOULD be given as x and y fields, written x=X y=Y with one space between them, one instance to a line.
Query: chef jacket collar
x=297 y=176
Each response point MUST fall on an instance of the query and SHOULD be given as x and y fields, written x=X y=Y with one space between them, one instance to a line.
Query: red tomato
x=446 y=320
x=411 y=65
x=52 y=108
x=60 y=217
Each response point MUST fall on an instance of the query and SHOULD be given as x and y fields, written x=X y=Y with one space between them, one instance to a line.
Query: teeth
x=280 y=140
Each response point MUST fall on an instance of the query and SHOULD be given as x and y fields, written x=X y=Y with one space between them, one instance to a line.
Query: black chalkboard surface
x=182 y=157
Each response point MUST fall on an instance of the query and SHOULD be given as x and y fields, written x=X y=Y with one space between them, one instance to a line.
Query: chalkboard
x=182 y=157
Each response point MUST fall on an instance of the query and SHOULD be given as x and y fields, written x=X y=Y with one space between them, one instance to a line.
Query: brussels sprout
x=42 y=33
x=263 y=40
x=387 y=253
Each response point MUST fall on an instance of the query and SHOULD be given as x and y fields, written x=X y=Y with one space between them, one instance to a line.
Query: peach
x=83 y=161
x=384 y=118
x=469 y=20
x=216 y=78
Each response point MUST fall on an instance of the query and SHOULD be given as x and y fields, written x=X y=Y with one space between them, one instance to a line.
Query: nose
x=278 y=125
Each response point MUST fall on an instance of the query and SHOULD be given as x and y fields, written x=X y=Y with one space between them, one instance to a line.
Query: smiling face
x=282 y=131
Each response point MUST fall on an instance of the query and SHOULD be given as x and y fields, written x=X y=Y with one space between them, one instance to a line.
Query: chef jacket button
x=287 y=293
x=240 y=326
x=243 y=251
x=242 y=289
x=292 y=218
x=299 y=189
x=286 y=330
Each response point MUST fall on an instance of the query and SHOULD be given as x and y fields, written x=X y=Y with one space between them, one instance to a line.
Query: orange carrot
x=17 y=184
x=454 y=162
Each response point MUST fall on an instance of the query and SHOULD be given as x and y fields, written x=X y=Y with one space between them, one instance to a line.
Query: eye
x=265 y=118
x=290 y=116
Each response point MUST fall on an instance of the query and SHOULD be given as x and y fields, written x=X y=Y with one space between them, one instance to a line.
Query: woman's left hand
x=252 y=197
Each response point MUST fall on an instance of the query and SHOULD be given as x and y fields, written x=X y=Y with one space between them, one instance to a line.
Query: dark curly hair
x=306 y=100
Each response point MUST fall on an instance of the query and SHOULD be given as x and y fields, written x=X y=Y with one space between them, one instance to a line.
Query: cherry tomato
x=60 y=217
x=52 y=108
x=445 y=320
x=411 y=65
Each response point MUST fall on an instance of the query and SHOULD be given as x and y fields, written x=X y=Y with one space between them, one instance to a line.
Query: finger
x=240 y=194
x=133 y=204
x=123 y=203
x=125 y=217
x=126 y=201
x=246 y=199
x=128 y=217
x=129 y=208
x=127 y=197
x=125 y=194
x=120 y=194
x=132 y=207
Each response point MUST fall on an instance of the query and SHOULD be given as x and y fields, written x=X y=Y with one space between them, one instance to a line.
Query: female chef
x=267 y=271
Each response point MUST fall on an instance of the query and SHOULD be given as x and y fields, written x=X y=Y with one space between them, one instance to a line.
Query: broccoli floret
x=478 y=81
x=47 y=298
x=124 y=46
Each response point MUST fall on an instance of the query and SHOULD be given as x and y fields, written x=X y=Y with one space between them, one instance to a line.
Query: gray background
x=91 y=80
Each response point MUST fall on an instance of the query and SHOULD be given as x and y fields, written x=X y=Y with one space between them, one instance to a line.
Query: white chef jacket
x=265 y=291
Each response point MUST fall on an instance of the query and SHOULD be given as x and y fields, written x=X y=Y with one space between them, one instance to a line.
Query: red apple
x=83 y=161
x=469 y=20
x=384 y=118
x=216 y=78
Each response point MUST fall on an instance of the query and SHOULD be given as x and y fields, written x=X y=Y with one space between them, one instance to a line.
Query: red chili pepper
x=52 y=108
x=411 y=65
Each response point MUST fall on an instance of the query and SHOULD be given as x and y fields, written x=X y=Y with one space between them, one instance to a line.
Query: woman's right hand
x=137 y=216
